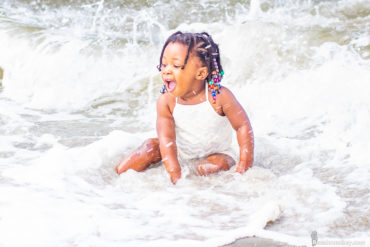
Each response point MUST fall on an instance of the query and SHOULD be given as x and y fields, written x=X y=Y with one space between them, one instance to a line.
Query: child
x=194 y=113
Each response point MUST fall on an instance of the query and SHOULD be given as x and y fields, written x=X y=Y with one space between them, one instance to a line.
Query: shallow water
x=78 y=86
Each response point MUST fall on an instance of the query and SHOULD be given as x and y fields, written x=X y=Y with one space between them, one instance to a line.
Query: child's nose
x=167 y=70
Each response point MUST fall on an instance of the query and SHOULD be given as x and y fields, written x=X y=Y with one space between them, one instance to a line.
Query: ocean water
x=78 y=86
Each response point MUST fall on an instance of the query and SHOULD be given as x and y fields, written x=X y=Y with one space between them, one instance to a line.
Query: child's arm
x=167 y=138
x=240 y=122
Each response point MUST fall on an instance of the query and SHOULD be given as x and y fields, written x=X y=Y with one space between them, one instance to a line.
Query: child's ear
x=202 y=73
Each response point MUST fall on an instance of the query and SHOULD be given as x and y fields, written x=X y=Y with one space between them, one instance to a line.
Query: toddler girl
x=195 y=115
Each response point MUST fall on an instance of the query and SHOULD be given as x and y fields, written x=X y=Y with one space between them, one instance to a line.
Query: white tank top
x=200 y=131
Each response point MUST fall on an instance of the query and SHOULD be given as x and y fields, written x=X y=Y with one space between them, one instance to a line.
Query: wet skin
x=187 y=85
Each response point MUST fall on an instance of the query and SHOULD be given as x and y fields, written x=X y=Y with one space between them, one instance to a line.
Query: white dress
x=200 y=131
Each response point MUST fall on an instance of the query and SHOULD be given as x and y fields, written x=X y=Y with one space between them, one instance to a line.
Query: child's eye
x=173 y=66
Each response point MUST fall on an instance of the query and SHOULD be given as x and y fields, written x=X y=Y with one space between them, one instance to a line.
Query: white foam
x=304 y=89
x=83 y=179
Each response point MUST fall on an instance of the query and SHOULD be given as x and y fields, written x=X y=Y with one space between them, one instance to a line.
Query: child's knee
x=151 y=143
x=151 y=147
x=222 y=160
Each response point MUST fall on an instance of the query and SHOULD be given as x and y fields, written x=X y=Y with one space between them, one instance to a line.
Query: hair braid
x=202 y=46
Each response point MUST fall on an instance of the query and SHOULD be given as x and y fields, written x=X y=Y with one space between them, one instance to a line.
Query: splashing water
x=78 y=86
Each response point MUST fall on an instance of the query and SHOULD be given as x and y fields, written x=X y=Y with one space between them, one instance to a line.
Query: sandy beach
x=256 y=242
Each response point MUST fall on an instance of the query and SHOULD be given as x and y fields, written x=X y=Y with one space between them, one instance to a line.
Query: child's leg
x=148 y=153
x=215 y=163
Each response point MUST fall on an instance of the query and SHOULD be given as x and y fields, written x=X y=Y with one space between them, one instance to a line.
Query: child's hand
x=243 y=166
x=175 y=176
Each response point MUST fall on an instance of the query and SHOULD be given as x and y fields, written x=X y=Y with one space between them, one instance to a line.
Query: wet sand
x=256 y=242
x=1 y=76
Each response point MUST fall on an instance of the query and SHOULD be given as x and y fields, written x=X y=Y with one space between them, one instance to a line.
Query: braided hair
x=202 y=46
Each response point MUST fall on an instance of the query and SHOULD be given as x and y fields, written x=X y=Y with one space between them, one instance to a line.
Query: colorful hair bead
x=203 y=46
x=214 y=85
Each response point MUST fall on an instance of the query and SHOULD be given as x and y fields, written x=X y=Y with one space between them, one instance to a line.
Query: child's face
x=180 y=82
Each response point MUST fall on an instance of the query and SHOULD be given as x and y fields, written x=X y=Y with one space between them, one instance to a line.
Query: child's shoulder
x=225 y=95
x=166 y=101
x=225 y=89
x=166 y=98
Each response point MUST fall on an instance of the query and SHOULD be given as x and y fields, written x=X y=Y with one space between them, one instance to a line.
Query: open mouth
x=170 y=85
